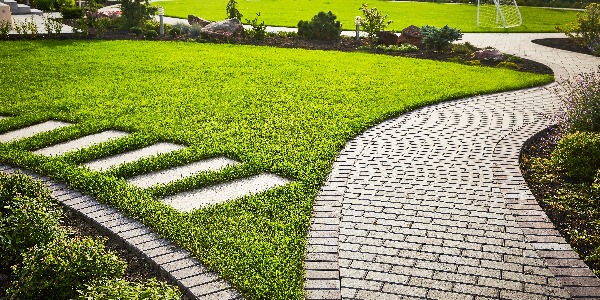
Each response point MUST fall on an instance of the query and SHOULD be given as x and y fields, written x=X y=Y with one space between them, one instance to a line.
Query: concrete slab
x=32 y=130
x=131 y=156
x=188 y=201
x=170 y=175
x=80 y=143
x=3 y=117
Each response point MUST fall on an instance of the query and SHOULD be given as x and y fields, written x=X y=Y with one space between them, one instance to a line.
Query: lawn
x=285 y=111
x=289 y=12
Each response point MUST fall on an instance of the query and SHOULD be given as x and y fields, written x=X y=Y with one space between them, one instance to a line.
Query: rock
x=387 y=38
x=489 y=55
x=196 y=20
x=5 y=16
x=226 y=29
x=411 y=35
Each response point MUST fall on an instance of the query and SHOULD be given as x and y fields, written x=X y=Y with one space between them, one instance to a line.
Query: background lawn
x=286 y=111
x=289 y=12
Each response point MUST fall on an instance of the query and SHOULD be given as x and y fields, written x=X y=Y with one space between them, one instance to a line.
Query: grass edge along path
x=285 y=111
x=403 y=14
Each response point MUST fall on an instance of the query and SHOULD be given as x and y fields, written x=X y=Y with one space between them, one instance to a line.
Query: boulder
x=226 y=29
x=387 y=38
x=196 y=20
x=5 y=16
x=411 y=35
x=489 y=55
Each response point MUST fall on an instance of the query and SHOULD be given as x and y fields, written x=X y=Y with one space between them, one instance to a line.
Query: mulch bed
x=563 y=44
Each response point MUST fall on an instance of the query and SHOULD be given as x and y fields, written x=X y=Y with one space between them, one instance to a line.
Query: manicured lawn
x=285 y=111
x=289 y=12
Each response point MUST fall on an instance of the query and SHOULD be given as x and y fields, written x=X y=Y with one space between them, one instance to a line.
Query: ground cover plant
x=403 y=14
x=285 y=111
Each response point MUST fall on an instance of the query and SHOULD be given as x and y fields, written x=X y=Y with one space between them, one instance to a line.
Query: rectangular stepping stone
x=131 y=156
x=170 y=175
x=32 y=130
x=80 y=143
x=188 y=201
x=3 y=117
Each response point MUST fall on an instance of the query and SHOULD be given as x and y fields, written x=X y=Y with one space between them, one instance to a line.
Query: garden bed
x=562 y=44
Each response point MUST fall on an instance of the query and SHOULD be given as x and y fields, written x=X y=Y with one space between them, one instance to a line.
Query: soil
x=563 y=44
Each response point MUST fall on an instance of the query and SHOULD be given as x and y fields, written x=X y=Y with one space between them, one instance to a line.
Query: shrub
x=174 y=32
x=394 y=48
x=439 y=39
x=121 y=289
x=136 y=30
x=578 y=154
x=585 y=31
x=52 y=5
x=150 y=34
x=581 y=97
x=185 y=29
x=258 y=31
x=196 y=30
x=507 y=65
x=28 y=216
x=135 y=12
x=474 y=62
x=513 y=58
x=57 y=270
x=72 y=12
x=373 y=22
x=465 y=48
x=5 y=27
x=322 y=26
x=232 y=11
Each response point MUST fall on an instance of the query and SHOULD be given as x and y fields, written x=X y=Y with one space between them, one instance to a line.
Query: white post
x=357 y=23
x=161 y=13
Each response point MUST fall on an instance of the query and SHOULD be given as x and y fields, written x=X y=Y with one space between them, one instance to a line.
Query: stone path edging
x=195 y=280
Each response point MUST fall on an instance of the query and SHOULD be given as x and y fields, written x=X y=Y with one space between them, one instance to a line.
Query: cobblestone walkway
x=432 y=205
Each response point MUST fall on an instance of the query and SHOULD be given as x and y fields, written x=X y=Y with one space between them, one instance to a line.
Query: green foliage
x=5 y=28
x=53 y=26
x=184 y=28
x=150 y=34
x=439 y=39
x=395 y=48
x=28 y=216
x=579 y=154
x=135 y=12
x=58 y=269
x=220 y=100
x=72 y=12
x=464 y=48
x=373 y=22
x=581 y=98
x=119 y=289
x=513 y=58
x=322 y=26
x=507 y=65
x=175 y=32
x=136 y=30
x=258 y=31
x=196 y=30
x=232 y=11
x=52 y=5
x=26 y=27
x=473 y=62
x=585 y=31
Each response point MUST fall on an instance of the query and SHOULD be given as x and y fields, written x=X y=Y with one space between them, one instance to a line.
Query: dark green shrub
x=585 y=31
x=232 y=11
x=185 y=29
x=136 y=30
x=72 y=12
x=578 y=154
x=513 y=58
x=258 y=31
x=474 y=62
x=439 y=39
x=57 y=270
x=121 y=289
x=28 y=216
x=581 y=97
x=507 y=65
x=175 y=31
x=322 y=26
x=135 y=12
x=465 y=48
x=52 y=5
x=150 y=34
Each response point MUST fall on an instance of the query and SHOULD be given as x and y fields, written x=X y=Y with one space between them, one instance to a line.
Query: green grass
x=286 y=111
x=289 y=12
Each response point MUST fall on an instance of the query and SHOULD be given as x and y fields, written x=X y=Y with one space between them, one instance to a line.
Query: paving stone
x=132 y=156
x=32 y=130
x=188 y=201
x=80 y=143
x=166 y=176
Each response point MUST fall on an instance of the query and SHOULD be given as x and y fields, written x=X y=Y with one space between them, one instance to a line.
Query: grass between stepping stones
x=285 y=111
x=403 y=14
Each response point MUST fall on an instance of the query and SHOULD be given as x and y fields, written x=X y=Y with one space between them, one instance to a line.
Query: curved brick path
x=432 y=205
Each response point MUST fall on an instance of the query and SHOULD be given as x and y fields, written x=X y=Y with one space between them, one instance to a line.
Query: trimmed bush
x=322 y=26
x=579 y=154
x=507 y=65
x=439 y=39
x=136 y=30
x=121 y=289
x=175 y=32
x=581 y=97
x=150 y=34
x=57 y=270
x=28 y=216
x=72 y=12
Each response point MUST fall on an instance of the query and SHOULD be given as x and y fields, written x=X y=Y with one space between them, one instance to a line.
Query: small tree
x=232 y=11
x=586 y=30
x=373 y=22
x=136 y=12
x=322 y=26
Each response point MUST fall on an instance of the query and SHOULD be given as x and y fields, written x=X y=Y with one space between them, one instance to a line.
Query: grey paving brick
x=80 y=143
x=32 y=130
x=131 y=156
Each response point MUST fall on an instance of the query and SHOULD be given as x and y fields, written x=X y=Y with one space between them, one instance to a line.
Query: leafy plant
x=579 y=154
x=322 y=26
x=150 y=34
x=507 y=65
x=72 y=12
x=136 y=30
x=53 y=26
x=58 y=269
x=585 y=31
x=465 y=48
x=395 y=48
x=513 y=58
x=52 y=5
x=232 y=11
x=259 y=30
x=136 y=12
x=185 y=28
x=121 y=289
x=439 y=39
x=474 y=62
x=196 y=30
x=5 y=27
x=581 y=98
x=373 y=22
x=175 y=32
